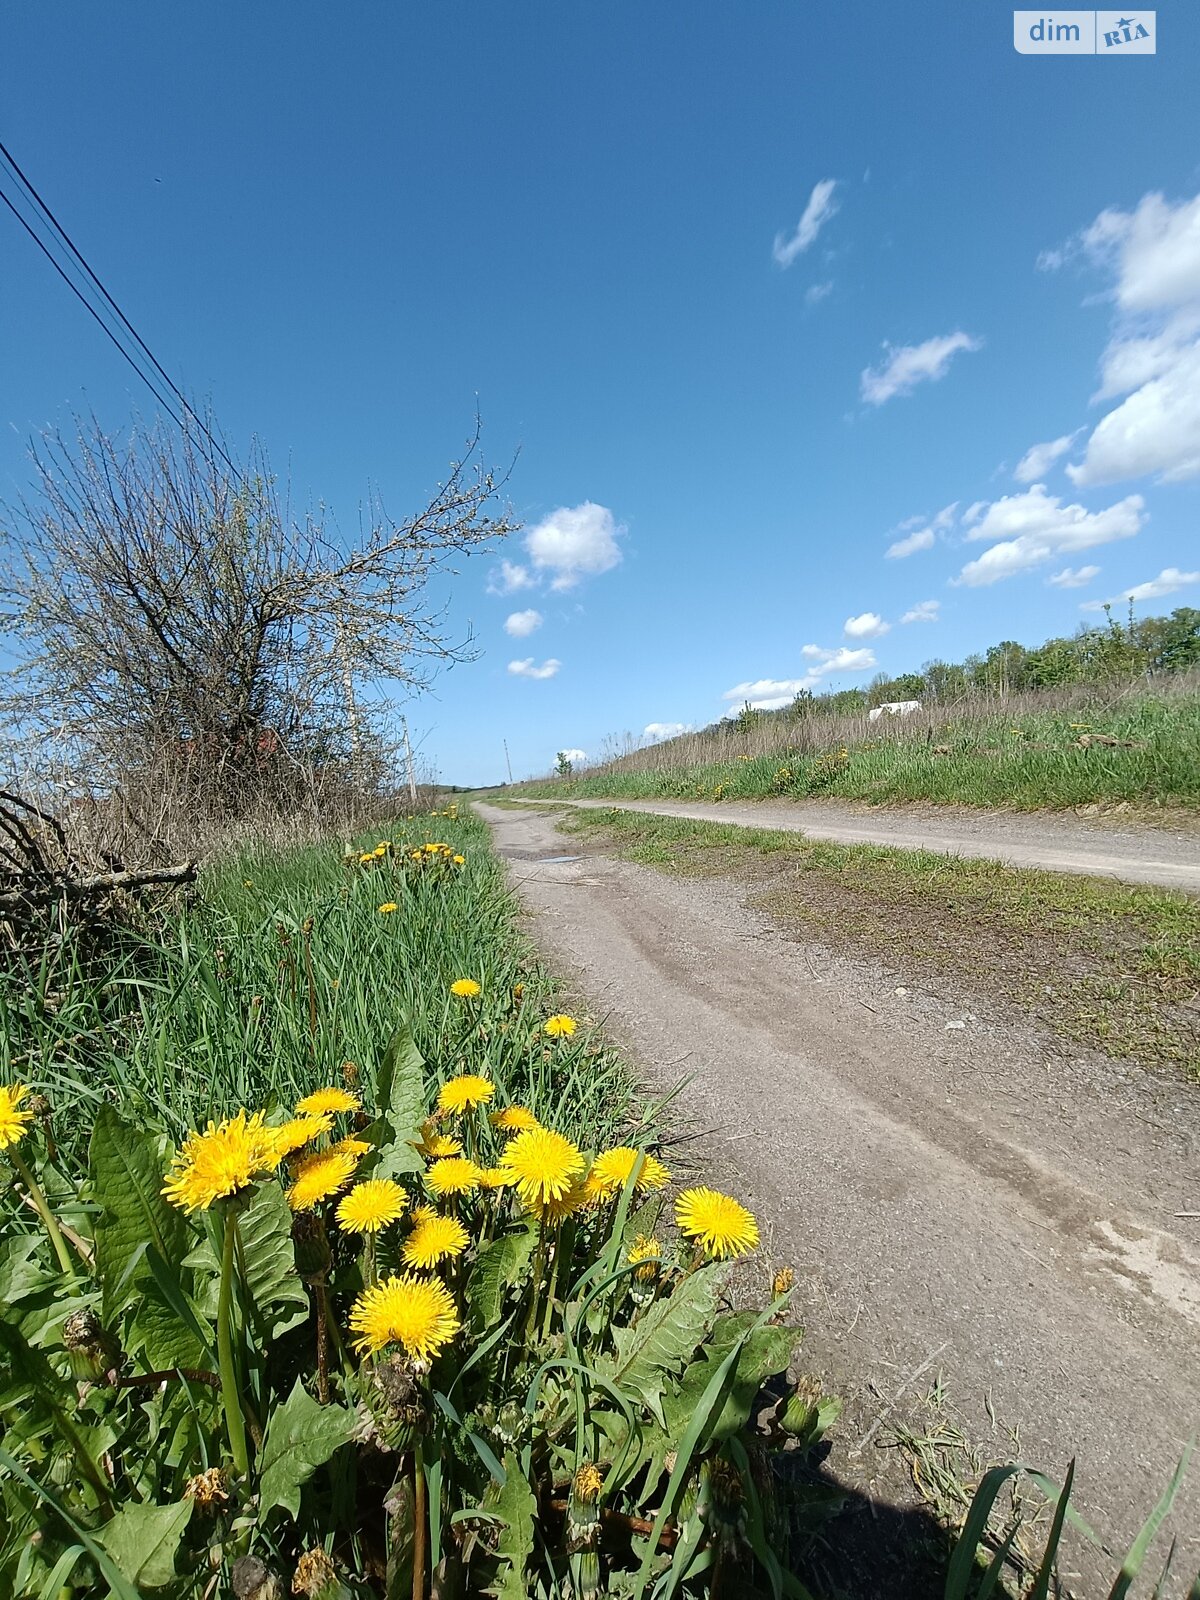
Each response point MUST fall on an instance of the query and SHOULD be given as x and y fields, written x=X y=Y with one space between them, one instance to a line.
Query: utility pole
x=412 y=779
x=507 y=762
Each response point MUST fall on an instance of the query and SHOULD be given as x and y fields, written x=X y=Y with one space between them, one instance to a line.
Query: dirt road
x=1059 y=844
x=960 y=1199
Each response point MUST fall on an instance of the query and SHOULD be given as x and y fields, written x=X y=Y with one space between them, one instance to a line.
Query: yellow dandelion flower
x=466 y=988
x=495 y=1178
x=384 y=844
x=435 y=1238
x=460 y=861
x=646 y=1255
x=431 y=848
x=543 y=1164
x=464 y=1093
x=365 y=859
x=14 y=1122
x=610 y=1171
x=721 y=1225
x=319 y=1176
x=226 y=1157
x=299 y=1131
x=452 y=1175
x=573 y=1199
x=433 y=1144
x=560 y=1027
x=371 y=1205
x=350 y=1147
x=416 y=1313
x=513 y=1119
x=388 y=907
x=587 y=1483
x=328 y=1100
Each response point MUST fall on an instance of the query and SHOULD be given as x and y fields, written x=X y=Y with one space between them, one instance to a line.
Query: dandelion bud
x=511 y=1422
x=397 y=1386
x=800 y=1414
x=39 y=1105
x=82 y=1330
x=723 y=1498
x=350 y=1074
x=252 y=1579
x=583 y=1508
x=783 y=1281
x=315 y=1576
x=311 y=1244
x=92 y=1350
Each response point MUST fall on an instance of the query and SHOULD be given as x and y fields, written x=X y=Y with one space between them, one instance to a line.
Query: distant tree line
x=1110 y=652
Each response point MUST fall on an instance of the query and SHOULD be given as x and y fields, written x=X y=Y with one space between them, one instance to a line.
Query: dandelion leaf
x=498 y=1266
x=647 y=1354
x=301 y=1436
x=127 y=1174
x=143 y=1540
x=517 y=1505
x=400 y=1098
x=277 y=1297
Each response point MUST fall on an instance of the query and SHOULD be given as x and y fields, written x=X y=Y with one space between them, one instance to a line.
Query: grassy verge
x=1036 y=760
x=1110 y=965
x=282 y=968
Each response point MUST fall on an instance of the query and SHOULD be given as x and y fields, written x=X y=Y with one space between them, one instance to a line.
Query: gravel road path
x=1061 y=844
x=963 y=1199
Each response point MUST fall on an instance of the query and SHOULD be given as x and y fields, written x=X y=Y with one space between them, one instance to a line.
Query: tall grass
x=230 y=1001
x=1028 y=753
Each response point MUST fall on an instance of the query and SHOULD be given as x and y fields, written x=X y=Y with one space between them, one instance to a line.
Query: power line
x=26 y=183
x=87 y=305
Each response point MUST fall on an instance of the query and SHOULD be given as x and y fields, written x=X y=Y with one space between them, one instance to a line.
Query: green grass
x=1030 y=761
x=209 y=1009
x=1115 y=966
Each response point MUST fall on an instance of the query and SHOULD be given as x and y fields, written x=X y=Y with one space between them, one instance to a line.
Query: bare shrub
x=197 y=660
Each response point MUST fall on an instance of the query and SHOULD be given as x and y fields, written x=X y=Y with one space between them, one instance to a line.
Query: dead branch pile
x=45 y=889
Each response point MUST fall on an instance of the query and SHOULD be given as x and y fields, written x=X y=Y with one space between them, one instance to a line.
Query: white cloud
x=924 y=539
x=912 y=364
x=770 y=694
x=923 y=611
x=1073 y=577
x=816 y=292
x=1168 y=581
x=867 y=626
x=926 y=535
x=1155 y=430
x=1033 y=527
x=508 y=578
x=1154 y=252
x=574 y=542
x=657 y=731
x=973 y=512
x=1039 y=458
x=571 y=755
x=1152 y=258
x=527 y=669
x=522 y=623
x=821 y=206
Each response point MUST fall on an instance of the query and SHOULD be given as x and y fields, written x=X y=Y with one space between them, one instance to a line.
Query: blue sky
x=759 y=292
